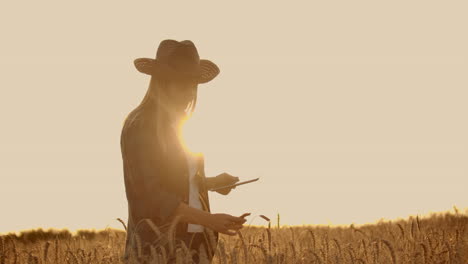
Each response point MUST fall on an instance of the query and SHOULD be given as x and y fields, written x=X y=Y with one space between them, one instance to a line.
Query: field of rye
x=439 y=238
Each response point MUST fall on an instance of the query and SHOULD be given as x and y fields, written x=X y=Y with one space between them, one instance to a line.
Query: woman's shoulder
x=137 y=125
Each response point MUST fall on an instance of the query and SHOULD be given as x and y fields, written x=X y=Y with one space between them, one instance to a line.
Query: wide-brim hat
x=178 y=60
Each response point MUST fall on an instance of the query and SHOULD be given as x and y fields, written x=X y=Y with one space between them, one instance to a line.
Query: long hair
x=157 y=101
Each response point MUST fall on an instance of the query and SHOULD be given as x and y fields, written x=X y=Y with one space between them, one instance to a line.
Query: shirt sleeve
x=150 y=199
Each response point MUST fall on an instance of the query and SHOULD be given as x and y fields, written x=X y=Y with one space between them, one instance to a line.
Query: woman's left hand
x=224 y=179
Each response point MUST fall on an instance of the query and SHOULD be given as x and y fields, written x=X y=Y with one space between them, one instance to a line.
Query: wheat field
x=438 y=238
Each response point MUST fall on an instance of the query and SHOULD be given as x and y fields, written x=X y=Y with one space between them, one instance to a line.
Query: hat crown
x=180 y=55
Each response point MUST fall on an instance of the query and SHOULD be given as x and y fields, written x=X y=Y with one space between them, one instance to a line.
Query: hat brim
x=208 y=70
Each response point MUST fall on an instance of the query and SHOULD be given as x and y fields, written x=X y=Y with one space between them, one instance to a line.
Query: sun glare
x=188 y=139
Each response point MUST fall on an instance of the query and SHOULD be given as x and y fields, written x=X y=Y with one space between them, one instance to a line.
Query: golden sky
x=349 y=111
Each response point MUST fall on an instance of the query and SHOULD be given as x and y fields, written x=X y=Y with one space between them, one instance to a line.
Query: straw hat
x=178 y=60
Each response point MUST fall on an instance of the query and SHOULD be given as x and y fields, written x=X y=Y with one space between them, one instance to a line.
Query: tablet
x=233 y=185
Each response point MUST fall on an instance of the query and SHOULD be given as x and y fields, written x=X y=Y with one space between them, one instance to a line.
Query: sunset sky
x=348 y=111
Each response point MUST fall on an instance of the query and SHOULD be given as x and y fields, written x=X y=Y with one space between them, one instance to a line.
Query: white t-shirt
x=194 y=199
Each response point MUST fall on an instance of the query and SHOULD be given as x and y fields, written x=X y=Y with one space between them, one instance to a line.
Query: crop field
x=439 y=238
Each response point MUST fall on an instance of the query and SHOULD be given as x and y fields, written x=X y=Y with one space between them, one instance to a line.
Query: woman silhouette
x=165 y=184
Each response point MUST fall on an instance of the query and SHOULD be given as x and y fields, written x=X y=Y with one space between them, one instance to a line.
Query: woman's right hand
x=225 y=223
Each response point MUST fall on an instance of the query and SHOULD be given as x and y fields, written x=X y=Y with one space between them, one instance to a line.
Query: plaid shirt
x=155 y=184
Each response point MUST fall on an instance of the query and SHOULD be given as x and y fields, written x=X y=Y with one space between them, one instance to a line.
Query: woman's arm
x=192 y=215
x=221 y=180
x=210 y=182
x=143 y=181
x=149 y=200
x=222 y=223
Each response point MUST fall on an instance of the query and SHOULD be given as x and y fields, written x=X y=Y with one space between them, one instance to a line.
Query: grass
x=439 y=238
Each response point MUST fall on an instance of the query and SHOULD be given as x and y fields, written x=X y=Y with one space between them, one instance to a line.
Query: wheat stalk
x=390 y=249
x=46 y=251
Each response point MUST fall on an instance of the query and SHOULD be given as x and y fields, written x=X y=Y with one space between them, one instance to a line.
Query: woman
x=165 y=184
